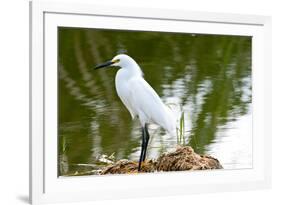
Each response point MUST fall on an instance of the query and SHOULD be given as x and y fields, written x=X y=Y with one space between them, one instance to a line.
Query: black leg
x=142 y=147
x=146 y=141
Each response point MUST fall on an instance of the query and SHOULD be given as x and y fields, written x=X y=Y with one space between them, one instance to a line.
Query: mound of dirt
x=182 y=159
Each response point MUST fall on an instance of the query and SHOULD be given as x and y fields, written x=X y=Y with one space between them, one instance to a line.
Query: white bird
x=140 y=99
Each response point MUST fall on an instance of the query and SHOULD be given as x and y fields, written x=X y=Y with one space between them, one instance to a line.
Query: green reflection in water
x=208 y=75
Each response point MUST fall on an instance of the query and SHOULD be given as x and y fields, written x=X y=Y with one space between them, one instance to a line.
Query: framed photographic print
x=130 y=102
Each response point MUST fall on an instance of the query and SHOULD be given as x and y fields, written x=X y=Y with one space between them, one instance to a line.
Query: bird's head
x=120 y=60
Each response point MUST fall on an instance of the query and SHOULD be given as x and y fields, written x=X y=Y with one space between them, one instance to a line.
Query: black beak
x=106 y=64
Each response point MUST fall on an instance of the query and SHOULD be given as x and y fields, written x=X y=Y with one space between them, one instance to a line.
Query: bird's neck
x=133 y=70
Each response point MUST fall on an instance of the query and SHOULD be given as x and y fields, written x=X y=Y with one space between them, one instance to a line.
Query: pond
x=207 y=77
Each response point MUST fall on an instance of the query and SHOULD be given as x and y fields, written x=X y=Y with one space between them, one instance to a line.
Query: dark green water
x=209 y=76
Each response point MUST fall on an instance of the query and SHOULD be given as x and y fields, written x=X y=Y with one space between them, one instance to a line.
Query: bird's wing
x=148 y=105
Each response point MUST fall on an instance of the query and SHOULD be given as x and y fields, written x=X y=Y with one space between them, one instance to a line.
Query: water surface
x=206 y=76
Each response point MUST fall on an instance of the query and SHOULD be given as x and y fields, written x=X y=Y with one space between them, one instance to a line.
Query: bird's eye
x=116 y=60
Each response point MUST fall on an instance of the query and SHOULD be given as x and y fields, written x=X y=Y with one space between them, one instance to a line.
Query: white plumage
x=140 y=99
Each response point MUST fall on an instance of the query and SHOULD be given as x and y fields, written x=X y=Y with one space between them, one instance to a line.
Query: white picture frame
x=46 y=186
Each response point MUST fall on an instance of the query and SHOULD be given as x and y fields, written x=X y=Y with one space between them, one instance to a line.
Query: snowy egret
x=140 y=99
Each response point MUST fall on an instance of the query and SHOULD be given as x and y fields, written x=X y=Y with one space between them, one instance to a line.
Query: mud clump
x=182 y=159
x=125 y=166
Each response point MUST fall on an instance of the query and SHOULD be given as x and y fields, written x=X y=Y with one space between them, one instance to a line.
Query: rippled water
x=207 y=76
